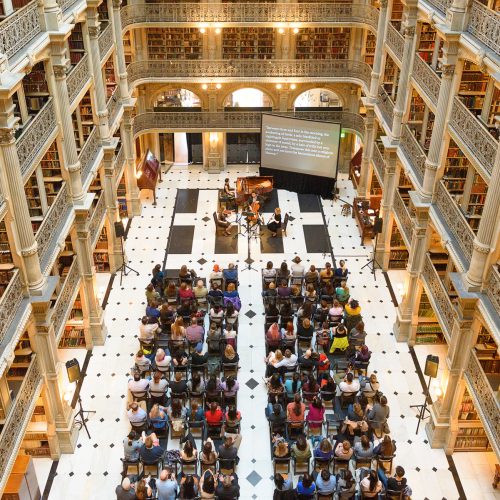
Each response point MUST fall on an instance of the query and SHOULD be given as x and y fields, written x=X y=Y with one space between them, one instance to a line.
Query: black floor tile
x=316 y=239
x=186 y=201
x=226 y=244
x=181 y=240
x=309 y=202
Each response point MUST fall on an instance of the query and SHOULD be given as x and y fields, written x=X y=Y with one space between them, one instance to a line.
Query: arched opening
x=176 y=98
x=318 y=98
x=248 y=98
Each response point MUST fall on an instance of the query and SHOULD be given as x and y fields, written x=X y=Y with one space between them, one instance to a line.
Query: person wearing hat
x=197 y=358
x=297 y=268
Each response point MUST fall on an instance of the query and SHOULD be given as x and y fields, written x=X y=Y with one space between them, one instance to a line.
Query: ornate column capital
x=94 y=31
x=59 y=71
x=481 y=247
x=7 y=136
x=26 y=252
x=117 y=4
x=383 y=4
x=447 y=70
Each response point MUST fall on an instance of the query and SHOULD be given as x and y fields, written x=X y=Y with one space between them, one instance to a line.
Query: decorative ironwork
x=386 y=107
x=105 y=40
x=414 y=152
x=237 y=119
x=56 y=216
x=473 y=133
x=486 y=401
x=35 y=135
x=65 y=4
x=439 y=295
x=493 y=288
x=395 y=41
x=89 y=153
x=18 y=418
x=19 y=28
x=484 y=24
x=9 y=303
x=425 y=77
x=64 y=300
x=403 y=216
x=442 y=5
x=248 y=69
x=119 y=161
x=455 y=220
x=184 y=12
x=96 y=219
x=113 y=107
x=78 y=78
x=378 y=163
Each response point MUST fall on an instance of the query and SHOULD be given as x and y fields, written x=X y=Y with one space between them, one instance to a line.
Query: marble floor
x=93 y=471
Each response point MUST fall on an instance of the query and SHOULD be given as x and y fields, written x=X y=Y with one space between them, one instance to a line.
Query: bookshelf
x=121 y=195
x=248 y=43
x=417 y=108
x=127 y=48
x=390 y=79
x=103 y=13
x=473 y=87
x=174 y=43
x=51 y=171
x=427 y=42
x=397 y=14
x=322 y=43
x=109 y=76
x=22 y=359
x=370 y=43
x=101 y=257
x=33 y=196
x=398 y=257
x=476 y=200
x=5 y=254
x=35 y=441
x=83 y=120
x=472 y=438
x=36 y=90
x=75 y=44
x=440 y=260
x=65 y=259
x=428 y=329
x=74 y=332
x=456 y=168
x=375 y=187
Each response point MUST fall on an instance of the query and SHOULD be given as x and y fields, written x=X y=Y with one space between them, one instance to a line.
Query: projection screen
x=300 y=146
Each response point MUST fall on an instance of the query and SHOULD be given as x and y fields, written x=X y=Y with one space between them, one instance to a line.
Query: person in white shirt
x=297 y=268
x=147 y=330
x=142 y=363
x=216 y=274
x=136 y=414
x=349 y=384
x=162 y=359
x=269 y=271
x=138 y=384
x=289 y=360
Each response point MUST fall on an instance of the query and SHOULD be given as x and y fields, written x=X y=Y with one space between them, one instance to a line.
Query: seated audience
x=293 y=385
x=269 y=271
x=301 y=449
x=151 y=451
x=138 y=384
x=147 y=330
x=195 y=332
x=371 y=485
x=283 y=272
x=162 y=358
x=230 y=355
x=305 y=328
x=228 y=487
x=343 y=450
x=185 y=292
x=312 y=276
x=231 y=273
x=296 y=410
x=166 y=485
x=200 y=291
x=341 y=271
x=326 y=274
x=326 y=483
x=342 y=292
x=363 y=448
x=198 y=358
x=125 y=491
x=306 y=485
x=316 y=413
x=297 y=269
x=339 y=341
x=324 y=451
x=357 y=334
x=349 y=384
x=131 y=446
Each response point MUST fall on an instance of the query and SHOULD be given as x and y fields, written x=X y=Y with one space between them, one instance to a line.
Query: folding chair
x=347 y=398
x=300 y=466
x=281 y=465
x=128 y=465
x=320 y=464
x=153 y=468
x=227 y=465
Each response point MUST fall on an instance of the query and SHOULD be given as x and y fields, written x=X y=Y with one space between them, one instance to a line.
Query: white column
x=379 y=48
x=127 y=135
x=369 y=144
x=120 y=54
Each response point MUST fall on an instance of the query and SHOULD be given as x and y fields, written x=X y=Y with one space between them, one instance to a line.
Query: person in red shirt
x=185 y=292
x=214 y=415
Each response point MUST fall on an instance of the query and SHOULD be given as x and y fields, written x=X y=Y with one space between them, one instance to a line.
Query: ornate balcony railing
x=96 y=219
x=251 y=13
x=413 y=152
x=403 y=216
x=386 y=106
x=65 y=4
x=426 y=79
x=113 y=106
x=78 y=78
x=441 y=5
x=455 y=220
x=105 y=40
x=64 y=301
x=18 y=419
x=493 y=288
x=395 y=41
x=474 y=135
x=439 y=296
x=57 y=215
x=378 y=163
x=89 y=153
x=486 y=400
x=119 y=161
x=34 y=136
x=484 y=24
x=248 y=69
x=9 y=302
x=237 y=120
x=18 y=29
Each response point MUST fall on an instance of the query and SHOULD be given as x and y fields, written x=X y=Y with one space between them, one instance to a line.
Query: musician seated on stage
x=223 y=222
x=228 y=192
x=254 y=198
x=275 y=222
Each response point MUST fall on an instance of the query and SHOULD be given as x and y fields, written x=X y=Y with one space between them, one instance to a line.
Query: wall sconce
x=295 y=31
x=218 y=86
x=278 y=86
x=281 y=31
x=202 y=30
x=217 y=31
x=293 y=86
x=204 y=86
x=214 y=138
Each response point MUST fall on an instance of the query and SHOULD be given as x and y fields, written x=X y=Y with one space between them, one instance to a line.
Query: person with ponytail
x=296 y=410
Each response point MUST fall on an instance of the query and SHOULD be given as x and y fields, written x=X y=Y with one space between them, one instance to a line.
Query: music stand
x=124 y=269
x=372 y=263
x=80 y=419
x=251 y=232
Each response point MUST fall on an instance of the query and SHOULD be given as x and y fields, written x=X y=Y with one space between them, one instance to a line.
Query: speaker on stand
x=372 y=264
x=124 y=268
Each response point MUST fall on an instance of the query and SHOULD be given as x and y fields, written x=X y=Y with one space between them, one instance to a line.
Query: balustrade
x=413 y=152
x=378 y=163
x=386 y=106
x=89 y=153
x=484 y=24
x=426 y=78
x=96 y=219
x=65 y=299
x=395 y=41
x=105 y=40
x=493 y=288
x=9 y=302
x=474 y=134
x=439 y=296
x=35 y=135
x=78 y=78
x=18 y=418
x=442 y=5
x=403 y=216
x=455 y=220
x=184 y=12
x=65 y=4
x=119 y=162
x=113 y=107
x=19 y=28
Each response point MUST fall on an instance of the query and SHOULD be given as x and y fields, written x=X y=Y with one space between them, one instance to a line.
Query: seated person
x=196 y=385
x=324 y=451
x=323 y=336
x=158 y=417
x=363 y=448
x=315 y=414
x=230 y=355
x=306 y=486
x=310 y=294
x=308 y=360
x=326 y=483
x=231 y=273
x=186 y=309
x=231 y=291
x=216 y=274
x=215 y=291
x=270 y=291
x=343 y=450
x=230 y=335
x=327 y=291
x=269 y=271
x=361 y=357
x=342 y=292
x=214 y=415
x=138 y=384
x=167 y=314
x=288 y=333
x=178 y=385
x=355 y=420
x=188 y=486
x=396 y=483
x=321 y=313
x=230 y=387
x=341 y=271
x=131 y=446
x=326 y=274
x=200 y=290
x=142 y=363
x=152 y=310
x=216 y=314
x=275 y=389
x=288 y=362
x=386 y=448
x=197 y=358
x=349 y=384
x=166 y=485
x=151 y=451
x=273 y=336
x=297 y=269
x=312 y=276
x=158 y=388
x=301 y=449
x=328 y=388
x=208 y=454
x=189 y=453
x=180 y=358
x=231 y=314
x=151 y=294
x=293 y=385
x=272 y=359
x=177 y=330
x=147 y=330
x=340 y=341
x=310 y=388
x=352 y=314
x=186 y=275
x=305 y=328
x=283 y=272
x=227 y=450
x=271 y=309
x=227 y=488
x=185 y=292
x=357 y=334
x=227 y=192
x=213 y=389
x=281 y=485
x=296 y=411
x=296 y=291
x=284 y=290
x=162 y=358
x=170 y=292
x=195 y=332
x=336 y=312
x=371 y=485
x=277 y=418
x=280 y=447
x=177 y=414
x=207 y=484
x=125 y=490
x=306 y=310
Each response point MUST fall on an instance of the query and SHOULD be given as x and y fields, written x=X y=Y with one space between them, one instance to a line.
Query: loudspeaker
x=377 y=226
x=73 y=370
x=119 y=229
x=431 y=366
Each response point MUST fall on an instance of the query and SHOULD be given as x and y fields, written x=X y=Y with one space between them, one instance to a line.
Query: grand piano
x=262 y=185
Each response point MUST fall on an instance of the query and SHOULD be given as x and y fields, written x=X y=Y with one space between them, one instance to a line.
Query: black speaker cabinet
x=377 y=226
x=119 y=229
x=431 y=366
x=73 y=369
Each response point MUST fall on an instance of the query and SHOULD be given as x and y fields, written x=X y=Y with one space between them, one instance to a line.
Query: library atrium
x=124 y=127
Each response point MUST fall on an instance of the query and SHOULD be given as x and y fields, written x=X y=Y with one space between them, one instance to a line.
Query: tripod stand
x=423 y=408
x=251 y=232
x=124 y=268
x=372 y=264
x=80 y=420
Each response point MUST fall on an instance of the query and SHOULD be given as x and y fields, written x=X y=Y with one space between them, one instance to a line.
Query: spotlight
x=281 y=31
x=218 y=86
x=293 y=86
x=278 y=86
x=204 y=86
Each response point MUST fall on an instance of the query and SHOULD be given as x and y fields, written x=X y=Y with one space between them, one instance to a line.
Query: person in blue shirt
x=150 y=452
x=152 y=310
x=293 y=385
x=324 y=451
x=282 y=484
x=326 y=483
x=231 y=273
x=306 y=485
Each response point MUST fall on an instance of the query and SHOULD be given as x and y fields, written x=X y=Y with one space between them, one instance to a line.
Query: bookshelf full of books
x=35 y=441
x=398 y=257
x=51 y=171
x=6 y=263
x=322 y=43
x=456 y=168
x=397 y=13
x=475 y=201
x=74 y=331
x=33 y=196
x=83 y=120
x=473 y=87
x=101 y=255
x=248 y=43
x=428 y=328
x=391 y=77
x=426 y=42
x=109 y=76
x=471 y=435
x=121 y=195
x=22 y=359
x=370 y=43
x=36 y=89
x=174 y=43
x=75 y=44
